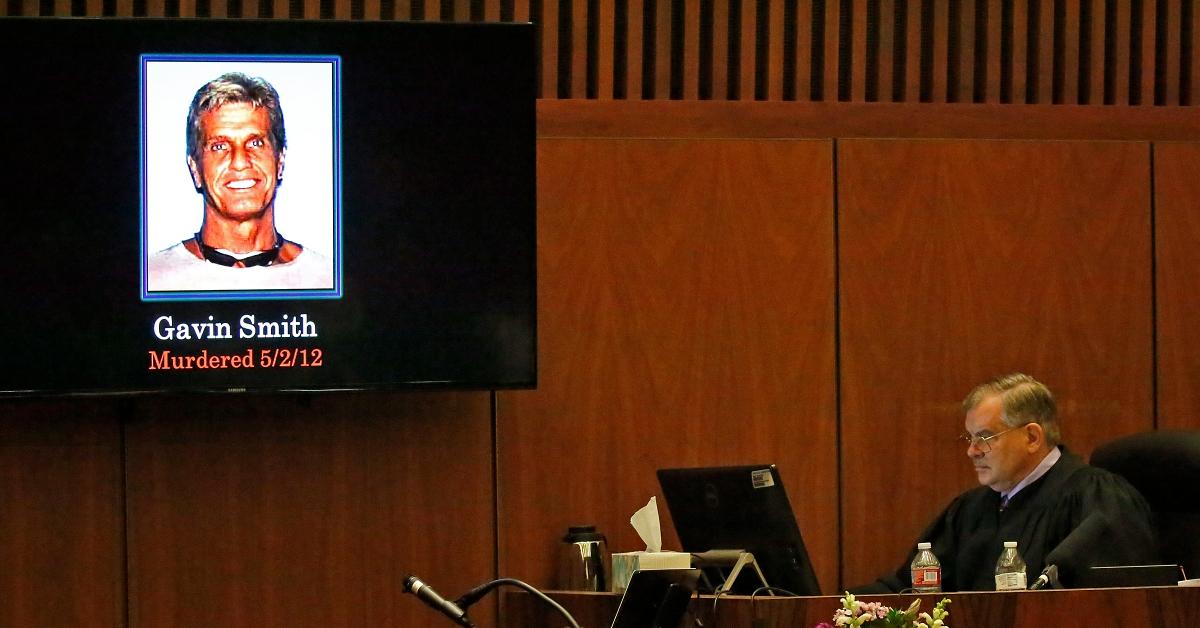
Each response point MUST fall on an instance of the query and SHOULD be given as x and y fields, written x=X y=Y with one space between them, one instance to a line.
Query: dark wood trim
x=720 y=119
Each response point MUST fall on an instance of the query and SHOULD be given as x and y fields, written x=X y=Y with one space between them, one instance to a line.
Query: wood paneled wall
x=306 y=511
x=685 y=320
x=962 y=260
x=61 y=514
x=956 y=260
x=1177 y=256
x=243 y=510
x=1089 y=52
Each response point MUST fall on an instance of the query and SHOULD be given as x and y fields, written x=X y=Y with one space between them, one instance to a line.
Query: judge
x=1033 y=491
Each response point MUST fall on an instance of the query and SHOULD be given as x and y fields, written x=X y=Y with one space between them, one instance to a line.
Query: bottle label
x=927 y=576
x=1010 y=581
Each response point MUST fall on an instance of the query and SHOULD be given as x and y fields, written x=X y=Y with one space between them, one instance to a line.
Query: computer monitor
x=741 y=507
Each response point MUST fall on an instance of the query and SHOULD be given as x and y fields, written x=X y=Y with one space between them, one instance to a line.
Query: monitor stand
x=734 y=560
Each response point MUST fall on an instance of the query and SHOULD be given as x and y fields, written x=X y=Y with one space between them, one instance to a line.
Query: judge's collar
x=1041 y=469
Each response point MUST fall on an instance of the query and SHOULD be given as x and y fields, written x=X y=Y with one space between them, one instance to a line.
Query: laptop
x=656 y=598
x=745 y=508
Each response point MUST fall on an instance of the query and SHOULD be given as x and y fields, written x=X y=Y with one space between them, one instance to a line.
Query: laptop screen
x=741 y=507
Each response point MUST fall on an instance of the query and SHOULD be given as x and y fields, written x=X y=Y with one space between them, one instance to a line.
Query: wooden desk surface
x=1151 y=606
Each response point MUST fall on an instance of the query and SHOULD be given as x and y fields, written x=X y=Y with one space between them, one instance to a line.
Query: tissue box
x=625 y=563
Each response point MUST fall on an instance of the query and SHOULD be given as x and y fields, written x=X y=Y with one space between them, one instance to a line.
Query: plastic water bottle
x=1010 y=569
x=926 y=570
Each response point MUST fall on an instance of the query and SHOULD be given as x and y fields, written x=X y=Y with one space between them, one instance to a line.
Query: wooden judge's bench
x=1160 y=607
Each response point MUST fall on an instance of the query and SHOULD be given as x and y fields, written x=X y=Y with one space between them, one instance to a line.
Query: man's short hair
x=1024 y=399
x=234 y=87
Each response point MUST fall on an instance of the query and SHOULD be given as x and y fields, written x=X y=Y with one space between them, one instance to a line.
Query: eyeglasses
x=983 y=443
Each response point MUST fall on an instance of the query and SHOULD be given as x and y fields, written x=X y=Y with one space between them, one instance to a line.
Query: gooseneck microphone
x=1049 y=576
x=426 y=594
x=1075 y=552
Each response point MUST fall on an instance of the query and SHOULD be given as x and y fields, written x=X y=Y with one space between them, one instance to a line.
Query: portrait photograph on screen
x=240 y=194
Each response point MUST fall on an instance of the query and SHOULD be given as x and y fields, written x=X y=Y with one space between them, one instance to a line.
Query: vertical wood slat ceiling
x=1080 y=52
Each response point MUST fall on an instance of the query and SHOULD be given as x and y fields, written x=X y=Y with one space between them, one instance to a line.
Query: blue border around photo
x=336 y=292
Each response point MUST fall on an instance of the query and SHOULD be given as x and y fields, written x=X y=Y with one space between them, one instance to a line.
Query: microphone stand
x=474 y=595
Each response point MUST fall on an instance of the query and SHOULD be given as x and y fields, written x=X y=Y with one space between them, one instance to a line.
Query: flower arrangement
x=858 y=614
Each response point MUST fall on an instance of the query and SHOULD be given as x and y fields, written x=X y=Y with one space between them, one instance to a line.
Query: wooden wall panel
x=830 y=58
x=1096 y=66
x=1145 y=88
x=993 y=34
x=858 y=51
x=1177 y=256
x=606 y=31
x=1123 y=30
x=886 y=48
x=941 y=50
x=966 y=53
x=307 y=511
x=1071 y=53
x=635 y=31
x=558 y=118
x=721 y=37
x=773 y=68
x=686 y=319
x=1173 y=25
x=1192 y=78
x=1022 y=88
x=1044 y=58
x=690 y=59
x=746 y=50
x=61 y=514
x=579 y=47
x=1150 y=606
x=964 y=260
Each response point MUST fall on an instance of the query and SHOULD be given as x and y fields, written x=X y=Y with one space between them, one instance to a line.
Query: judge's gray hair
x=1024 y=399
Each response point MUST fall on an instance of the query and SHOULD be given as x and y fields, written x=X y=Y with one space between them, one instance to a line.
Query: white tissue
x=645 y=521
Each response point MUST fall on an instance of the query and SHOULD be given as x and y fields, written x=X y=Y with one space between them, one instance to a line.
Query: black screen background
x=438 y=209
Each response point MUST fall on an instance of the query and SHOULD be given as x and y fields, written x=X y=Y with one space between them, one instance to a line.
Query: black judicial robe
x=969 y=535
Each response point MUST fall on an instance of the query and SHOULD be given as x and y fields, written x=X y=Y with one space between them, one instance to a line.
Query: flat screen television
x=261 y=205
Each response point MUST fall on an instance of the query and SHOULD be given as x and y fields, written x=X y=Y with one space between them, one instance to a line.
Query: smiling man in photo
x=236 y=151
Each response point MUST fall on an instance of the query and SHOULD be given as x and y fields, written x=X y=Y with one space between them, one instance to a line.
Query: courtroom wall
x=242 y=510
x=762 y=238
x=953 y=261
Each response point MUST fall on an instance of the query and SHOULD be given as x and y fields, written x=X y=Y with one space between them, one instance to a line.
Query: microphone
x=426 y=594
x=1049 y=577
x=1071 y=555
x=474 y=595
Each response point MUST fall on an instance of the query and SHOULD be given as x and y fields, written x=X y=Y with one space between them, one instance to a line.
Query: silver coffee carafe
x=583 y=560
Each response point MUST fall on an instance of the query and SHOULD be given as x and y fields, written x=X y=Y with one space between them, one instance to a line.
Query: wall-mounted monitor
x=227 y=205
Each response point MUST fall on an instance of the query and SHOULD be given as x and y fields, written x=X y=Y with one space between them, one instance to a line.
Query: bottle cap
x=924 y=546
x=1010 y=544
